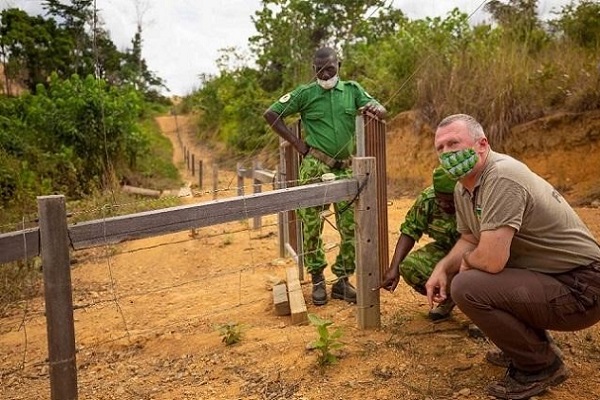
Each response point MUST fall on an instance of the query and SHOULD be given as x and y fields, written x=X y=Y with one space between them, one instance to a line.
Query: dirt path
x=147 y=311
x=178 y=129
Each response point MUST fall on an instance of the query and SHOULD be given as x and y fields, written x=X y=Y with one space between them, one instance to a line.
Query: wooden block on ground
x=297 y=304
x=280 y=299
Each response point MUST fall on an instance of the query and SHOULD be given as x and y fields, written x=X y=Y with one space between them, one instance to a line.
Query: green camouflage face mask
x=458 y=164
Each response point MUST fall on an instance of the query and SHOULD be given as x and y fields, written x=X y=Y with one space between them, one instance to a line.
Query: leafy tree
x=581 y=23
x=77 y=18
x=70 y=137
x=31 y=47
x=395 y=65
x=289 y=31
x=232 y=104
x=134 y=68
x=520 y=21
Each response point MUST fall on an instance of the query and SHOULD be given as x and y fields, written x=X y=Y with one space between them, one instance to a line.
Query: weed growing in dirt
x=231 y=333
x=227 y=241
x=327 y=341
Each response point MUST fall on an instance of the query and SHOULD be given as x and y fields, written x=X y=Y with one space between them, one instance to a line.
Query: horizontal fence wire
x=102 y=300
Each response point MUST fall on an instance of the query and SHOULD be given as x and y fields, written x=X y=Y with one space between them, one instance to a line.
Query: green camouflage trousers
x=419 y=264
x=311 y=170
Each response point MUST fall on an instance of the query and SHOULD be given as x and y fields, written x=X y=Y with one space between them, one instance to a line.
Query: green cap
x=442 y=183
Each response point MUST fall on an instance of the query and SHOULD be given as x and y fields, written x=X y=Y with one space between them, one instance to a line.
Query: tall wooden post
x=58 y=296
x=367 y=243
x=370 y=136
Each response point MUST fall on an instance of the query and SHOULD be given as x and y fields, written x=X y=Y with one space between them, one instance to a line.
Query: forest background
x=76 y=114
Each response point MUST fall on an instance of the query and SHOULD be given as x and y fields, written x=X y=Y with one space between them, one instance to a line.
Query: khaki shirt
x=550 y=237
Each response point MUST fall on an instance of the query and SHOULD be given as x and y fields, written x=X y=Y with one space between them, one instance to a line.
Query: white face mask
x=329 y=83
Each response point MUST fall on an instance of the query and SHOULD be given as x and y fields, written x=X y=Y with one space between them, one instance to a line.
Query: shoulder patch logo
x=285 y=98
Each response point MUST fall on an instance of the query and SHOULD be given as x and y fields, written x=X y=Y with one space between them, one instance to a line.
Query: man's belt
x=329 y=161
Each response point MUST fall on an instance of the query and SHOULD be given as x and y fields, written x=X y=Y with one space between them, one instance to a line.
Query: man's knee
x=464 y=285
x=415 y=275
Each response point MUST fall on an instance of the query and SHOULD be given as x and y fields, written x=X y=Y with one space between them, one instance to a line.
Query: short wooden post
x=200 y=174
x=215 y=179
x=281 y=301
x=367 y=244
x=257 y=188
x=193 y=164
x=58 y=296
x=296 y=297
x=240 y=179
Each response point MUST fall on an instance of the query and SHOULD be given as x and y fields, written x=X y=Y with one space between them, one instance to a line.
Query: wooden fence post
x=371 y=132
x=58 y=297
x=367 y=243
x=280 y=215
x=257 y=188
x=240 y=179
x=193 y=164
x=200 y=174
x=215 y=178
x=174 y=114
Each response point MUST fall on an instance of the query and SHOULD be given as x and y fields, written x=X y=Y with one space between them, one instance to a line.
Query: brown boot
x=518 y=385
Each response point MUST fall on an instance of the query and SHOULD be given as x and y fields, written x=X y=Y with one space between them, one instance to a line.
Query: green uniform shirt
x=328 y=116
x=426 y=217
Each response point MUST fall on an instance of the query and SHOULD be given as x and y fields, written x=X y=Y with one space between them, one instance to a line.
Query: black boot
x=343 y=290
x=319 y=292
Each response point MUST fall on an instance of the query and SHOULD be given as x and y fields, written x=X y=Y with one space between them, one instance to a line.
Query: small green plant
x=327 y=341
x=231 y=333
x=227 y=241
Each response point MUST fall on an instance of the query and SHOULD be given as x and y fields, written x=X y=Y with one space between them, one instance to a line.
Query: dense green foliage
x=33 y=47
x=504 y=73
x=78 y=127
x=71 y=138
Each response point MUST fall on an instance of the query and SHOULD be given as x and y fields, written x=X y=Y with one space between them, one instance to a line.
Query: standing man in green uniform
x=433 y=214
x=328 y=108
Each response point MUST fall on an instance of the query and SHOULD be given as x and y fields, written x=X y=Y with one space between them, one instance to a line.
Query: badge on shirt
x=285 y=98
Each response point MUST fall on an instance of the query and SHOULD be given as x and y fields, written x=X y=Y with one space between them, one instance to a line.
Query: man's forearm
x=403 y=246
x=277 y=124
x=451 y=263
